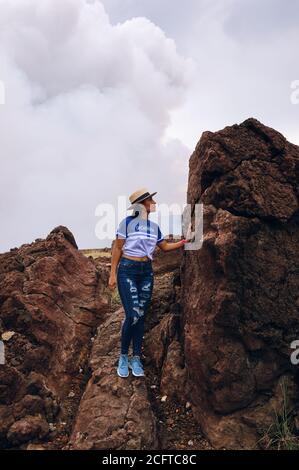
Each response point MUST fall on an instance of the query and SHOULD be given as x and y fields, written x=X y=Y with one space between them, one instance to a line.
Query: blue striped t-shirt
x=141 y=236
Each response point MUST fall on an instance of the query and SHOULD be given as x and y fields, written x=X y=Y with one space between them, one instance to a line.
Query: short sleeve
x=160 y=235
x=121 y=231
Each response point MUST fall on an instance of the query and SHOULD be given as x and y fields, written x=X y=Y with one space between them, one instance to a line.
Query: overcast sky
x=104 y=97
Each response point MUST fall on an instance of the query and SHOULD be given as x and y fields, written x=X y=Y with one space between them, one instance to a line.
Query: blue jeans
x=135 y=281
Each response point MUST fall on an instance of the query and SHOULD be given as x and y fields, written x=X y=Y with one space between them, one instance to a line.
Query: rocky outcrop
x=217 y=334
x=50 y=304
x=240 y=289
x=61 y=327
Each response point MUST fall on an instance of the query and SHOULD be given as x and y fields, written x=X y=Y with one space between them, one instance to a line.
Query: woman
x=136 y=238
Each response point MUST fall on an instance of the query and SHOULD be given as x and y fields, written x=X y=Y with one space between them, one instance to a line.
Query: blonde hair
x=139 y=210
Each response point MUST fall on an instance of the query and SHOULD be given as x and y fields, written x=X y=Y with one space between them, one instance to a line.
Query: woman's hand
x=165 y=246
x=186 y=240
x=112 y=281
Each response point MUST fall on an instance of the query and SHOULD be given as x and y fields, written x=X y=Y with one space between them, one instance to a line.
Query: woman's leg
x=137 y=335
x=145 y=289
x=128 y=292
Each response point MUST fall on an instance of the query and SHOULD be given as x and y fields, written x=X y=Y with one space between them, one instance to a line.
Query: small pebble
x=8 y=335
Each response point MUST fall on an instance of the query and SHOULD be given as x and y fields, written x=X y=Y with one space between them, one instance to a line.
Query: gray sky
x=102 y=98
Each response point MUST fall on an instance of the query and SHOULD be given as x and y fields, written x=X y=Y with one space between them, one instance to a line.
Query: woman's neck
x=144 y=213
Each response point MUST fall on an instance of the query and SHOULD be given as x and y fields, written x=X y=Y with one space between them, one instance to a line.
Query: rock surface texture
x=50 y=303
x=240 y=290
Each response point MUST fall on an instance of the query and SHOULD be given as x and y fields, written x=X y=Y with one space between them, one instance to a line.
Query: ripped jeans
x=135 y=281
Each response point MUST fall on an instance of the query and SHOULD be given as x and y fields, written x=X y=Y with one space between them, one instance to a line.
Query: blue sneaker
x=122 y=368
x=136 y=366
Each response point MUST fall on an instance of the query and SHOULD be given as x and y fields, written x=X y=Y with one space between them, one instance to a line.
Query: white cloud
x=246 y=57
x=103 y=97
x=87 y=107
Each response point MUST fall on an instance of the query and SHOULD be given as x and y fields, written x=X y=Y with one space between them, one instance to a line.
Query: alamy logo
x=295 y=354
x=2 y=355
x=295 y=94
x=188 y=222
x=2 y=92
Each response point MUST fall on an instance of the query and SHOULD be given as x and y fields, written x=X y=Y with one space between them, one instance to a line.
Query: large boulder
x=240 y=289
x=50 y=304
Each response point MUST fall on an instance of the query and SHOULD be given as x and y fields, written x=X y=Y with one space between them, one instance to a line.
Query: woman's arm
x=165 y=246
x=115 y=257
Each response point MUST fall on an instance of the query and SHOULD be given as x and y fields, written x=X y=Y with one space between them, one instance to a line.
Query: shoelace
x=137 y=360
x=123 y=361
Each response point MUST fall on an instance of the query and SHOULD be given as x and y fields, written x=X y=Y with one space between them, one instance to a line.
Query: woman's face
x=150 y=204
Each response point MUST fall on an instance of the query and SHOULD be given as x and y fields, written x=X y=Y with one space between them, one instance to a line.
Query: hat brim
x=132 y=206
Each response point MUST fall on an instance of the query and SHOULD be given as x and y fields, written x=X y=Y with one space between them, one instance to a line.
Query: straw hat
x=139 y=196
